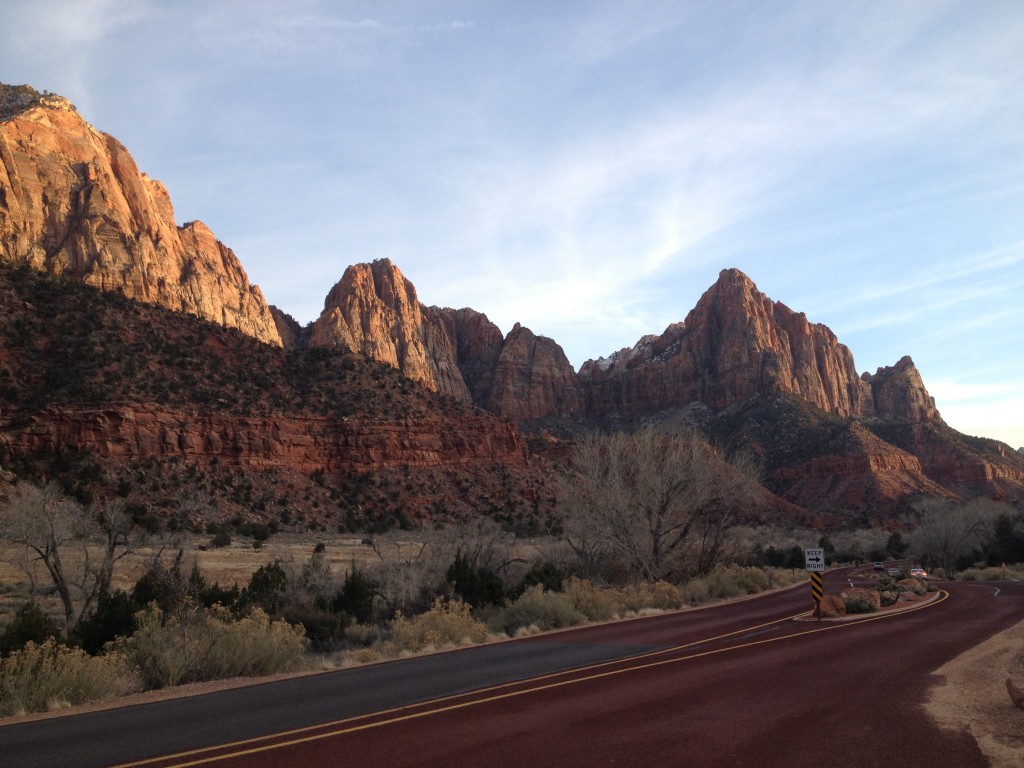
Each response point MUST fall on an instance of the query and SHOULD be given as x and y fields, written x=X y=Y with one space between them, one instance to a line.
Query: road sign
x=817 y=588
x=814 y=560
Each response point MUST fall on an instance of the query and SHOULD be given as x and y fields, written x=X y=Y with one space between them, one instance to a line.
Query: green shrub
x=888 y=596
x=114 y=617
x=30 y=625
x=476 y=586
x=355 y=596
x=858 y=605
x=49 y=676
x=266 y=588
x=546 y=574
x=537 y=608
x=447 y=623
x=324 y=629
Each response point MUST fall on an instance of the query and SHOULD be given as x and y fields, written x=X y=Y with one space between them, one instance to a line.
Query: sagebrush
x=47 y=676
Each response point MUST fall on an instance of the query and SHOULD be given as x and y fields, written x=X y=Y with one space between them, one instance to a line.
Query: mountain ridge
x=740 y=366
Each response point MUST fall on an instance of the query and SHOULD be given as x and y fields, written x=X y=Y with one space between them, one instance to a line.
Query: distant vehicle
x=879 y=565
x=894 y=572
x=918 y=573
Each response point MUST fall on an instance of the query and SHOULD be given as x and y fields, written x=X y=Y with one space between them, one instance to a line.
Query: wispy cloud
x=585 y=169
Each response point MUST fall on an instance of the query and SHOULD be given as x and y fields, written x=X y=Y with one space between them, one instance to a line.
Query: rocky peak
x=735 y=344
x=898 y=393
x=73 y=201
x=374 y=310
x=478 y=345
x=15 y=99
x=532 y=379
x=754 y=345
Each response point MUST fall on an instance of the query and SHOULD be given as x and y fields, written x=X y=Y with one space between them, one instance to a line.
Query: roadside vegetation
x=73 y=630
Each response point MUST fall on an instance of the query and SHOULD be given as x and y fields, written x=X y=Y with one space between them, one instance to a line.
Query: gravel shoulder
x=970 y=695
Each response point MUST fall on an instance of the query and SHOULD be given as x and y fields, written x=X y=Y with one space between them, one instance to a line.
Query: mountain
x=736 y=344
x=440 y=391
x=115 y=398
x=374 y=310
x=750 y=370
x=73 y=201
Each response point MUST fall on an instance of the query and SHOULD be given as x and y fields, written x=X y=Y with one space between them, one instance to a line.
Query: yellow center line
x=344 y=726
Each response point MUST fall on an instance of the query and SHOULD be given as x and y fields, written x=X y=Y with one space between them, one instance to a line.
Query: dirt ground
x=971 y=695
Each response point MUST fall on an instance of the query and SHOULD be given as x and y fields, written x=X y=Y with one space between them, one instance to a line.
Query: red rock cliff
x=72 y=201
x=737 y=343
x=301 y=443
x=374 y=309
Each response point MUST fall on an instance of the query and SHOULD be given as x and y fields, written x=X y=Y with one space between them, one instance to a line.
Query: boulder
x=1015 y=687
x=832 y=606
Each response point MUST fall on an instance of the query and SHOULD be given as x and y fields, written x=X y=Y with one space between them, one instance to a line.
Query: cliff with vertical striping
x=73 y=202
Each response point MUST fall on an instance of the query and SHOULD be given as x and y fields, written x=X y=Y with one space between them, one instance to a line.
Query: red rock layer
x=302 y=444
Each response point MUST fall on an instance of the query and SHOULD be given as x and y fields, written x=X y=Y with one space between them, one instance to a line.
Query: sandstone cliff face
x=478 y=344
x=737 y=343
x=72 y=201
x=898 y=393
x=861 y=471
x=374 y=310
x=532 y=378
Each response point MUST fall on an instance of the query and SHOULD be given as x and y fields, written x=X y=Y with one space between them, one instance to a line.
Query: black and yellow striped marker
x=817 y=589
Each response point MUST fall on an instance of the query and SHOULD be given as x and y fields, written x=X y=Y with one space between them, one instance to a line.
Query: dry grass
x=448 y=624
x=226 y=566
x=1004 y=573
x=46 y=677
x=210 y=645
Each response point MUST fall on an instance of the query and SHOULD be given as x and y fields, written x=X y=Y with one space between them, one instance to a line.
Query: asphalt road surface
x=742 y=684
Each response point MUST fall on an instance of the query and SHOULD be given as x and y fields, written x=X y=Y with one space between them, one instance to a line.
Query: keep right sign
x=814 y=559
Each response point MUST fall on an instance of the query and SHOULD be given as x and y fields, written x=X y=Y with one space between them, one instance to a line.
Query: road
x=741 y=684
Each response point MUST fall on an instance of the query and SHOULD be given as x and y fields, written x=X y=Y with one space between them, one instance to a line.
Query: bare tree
x=63 y=537
x=655 y=504
x=949 y=531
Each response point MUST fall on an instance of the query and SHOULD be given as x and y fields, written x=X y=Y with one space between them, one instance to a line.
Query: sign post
x=814 y=562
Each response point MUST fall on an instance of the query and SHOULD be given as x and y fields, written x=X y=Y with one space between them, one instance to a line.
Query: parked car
x=894 y=572
x=918 y=573
x=879 y=565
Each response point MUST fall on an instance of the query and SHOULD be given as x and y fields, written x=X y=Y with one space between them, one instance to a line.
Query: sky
x=588 y=168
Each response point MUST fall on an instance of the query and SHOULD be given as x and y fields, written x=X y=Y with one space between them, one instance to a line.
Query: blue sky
x=588 y=168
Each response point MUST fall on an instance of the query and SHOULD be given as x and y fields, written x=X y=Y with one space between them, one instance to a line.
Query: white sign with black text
x=814 y=559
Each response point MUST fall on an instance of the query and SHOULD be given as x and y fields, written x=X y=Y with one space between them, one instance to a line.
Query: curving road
x=741 y=684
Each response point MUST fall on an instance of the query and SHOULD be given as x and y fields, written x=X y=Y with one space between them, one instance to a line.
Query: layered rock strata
x=304 y=444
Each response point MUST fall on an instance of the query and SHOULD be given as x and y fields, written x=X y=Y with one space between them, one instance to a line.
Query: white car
x=918 y=573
